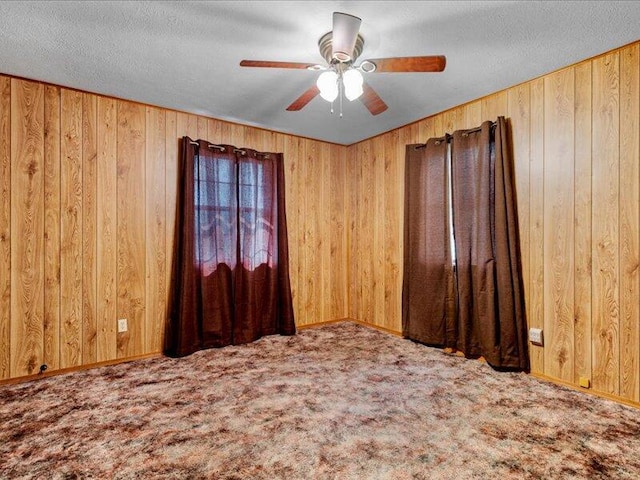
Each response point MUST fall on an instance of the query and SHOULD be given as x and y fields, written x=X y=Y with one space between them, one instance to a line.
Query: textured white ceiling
x=185 y=55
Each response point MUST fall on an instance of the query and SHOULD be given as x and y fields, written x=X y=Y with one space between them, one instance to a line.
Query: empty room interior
x=324 y=240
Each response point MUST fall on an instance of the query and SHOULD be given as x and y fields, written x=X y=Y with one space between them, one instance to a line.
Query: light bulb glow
x=352 y=80
x=328 y=85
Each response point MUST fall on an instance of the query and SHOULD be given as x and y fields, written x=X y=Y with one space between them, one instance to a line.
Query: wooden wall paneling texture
x=377 y=230
x=393 y=200
x=536 y=219
x=5 y=227
x=131 y=271
x=51 y=345
x=106 y=229
x=582 y=223
x=351 y=226
x=27 y=226
x=71 y=229
x=309 y=269
x=292 y=168
x=155 y=236
x=558 y=224
x=518 y=107
x=338 y=216
x=629 y=222
x=100 y=247
x=605 y=224
x=172 y=152
x=325 y=232
x=89 y=228
x=369 y=194
x=473 y=114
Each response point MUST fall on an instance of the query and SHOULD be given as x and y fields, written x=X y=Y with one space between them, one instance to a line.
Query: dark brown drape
x=427 y=258
x=231 y=263
x=489 y=318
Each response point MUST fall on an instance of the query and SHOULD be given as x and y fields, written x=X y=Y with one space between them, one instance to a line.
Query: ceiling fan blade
x=268 y=64
x=303 y=99
x=372 y=100
x=344 y=35
x=433 y=63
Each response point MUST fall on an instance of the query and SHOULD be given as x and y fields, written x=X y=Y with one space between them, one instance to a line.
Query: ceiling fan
x=340 y=48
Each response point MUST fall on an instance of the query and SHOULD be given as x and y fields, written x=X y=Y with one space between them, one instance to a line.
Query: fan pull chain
x=340 y=93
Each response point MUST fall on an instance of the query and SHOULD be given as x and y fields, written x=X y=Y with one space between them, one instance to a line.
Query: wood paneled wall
x=87 y=202
x=576 y=141
x=87 y=215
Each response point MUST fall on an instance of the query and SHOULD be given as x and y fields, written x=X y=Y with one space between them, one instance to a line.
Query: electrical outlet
x=122 y=325
x=535 y=336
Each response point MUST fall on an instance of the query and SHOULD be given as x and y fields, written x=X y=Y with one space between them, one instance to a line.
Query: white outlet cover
x=535 y=336
x=122 y=325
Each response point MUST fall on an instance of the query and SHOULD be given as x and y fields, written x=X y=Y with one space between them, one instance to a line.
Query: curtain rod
x=235 y=150
x=448 y=136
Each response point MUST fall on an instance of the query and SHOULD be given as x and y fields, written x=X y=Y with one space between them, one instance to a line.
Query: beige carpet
x=338 y=402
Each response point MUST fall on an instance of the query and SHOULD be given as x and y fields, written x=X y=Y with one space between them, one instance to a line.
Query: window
x=235 y=210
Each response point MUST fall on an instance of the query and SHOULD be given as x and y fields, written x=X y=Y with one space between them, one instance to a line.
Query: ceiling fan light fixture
x=328 y=85
x=352 y=80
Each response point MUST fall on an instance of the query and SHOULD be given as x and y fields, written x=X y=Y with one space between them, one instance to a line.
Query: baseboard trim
x=588 y=391
x=89 y=366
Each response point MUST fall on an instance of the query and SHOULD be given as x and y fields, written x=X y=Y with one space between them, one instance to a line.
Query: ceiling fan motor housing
x=325 y=46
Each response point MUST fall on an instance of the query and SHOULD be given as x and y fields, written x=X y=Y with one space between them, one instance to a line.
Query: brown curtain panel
x=428 y=266
x=230 y=280
x=491 y=319
x=469 y=297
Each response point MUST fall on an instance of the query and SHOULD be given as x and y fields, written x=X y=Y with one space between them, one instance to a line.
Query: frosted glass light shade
x=328 y=85
x=352 y=80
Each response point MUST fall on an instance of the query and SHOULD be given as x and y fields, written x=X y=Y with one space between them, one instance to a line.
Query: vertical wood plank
x=172 y=145
x=629 y=223
x=131 y=227
x=337 y=182
x=558 y=224
x=393 y=212
x=582 y=222
x=155 y=286
x=473 y=113
x=518 y=112
x=536 y=218
x=203 y=128
x=310 y=269
x=51 y=345
x=325 y=233
x=106 y=229
x=378 y=231
x=605 y=226
x=494 y=106
x=353 y=175
x=237 y=134
x=27 y=226
x=425 y=129
x=89 y=217
x=71 y=229
x=5 y=227
x=187 y=125
x=367 y=204
x=214 y=129
x=292 y=181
